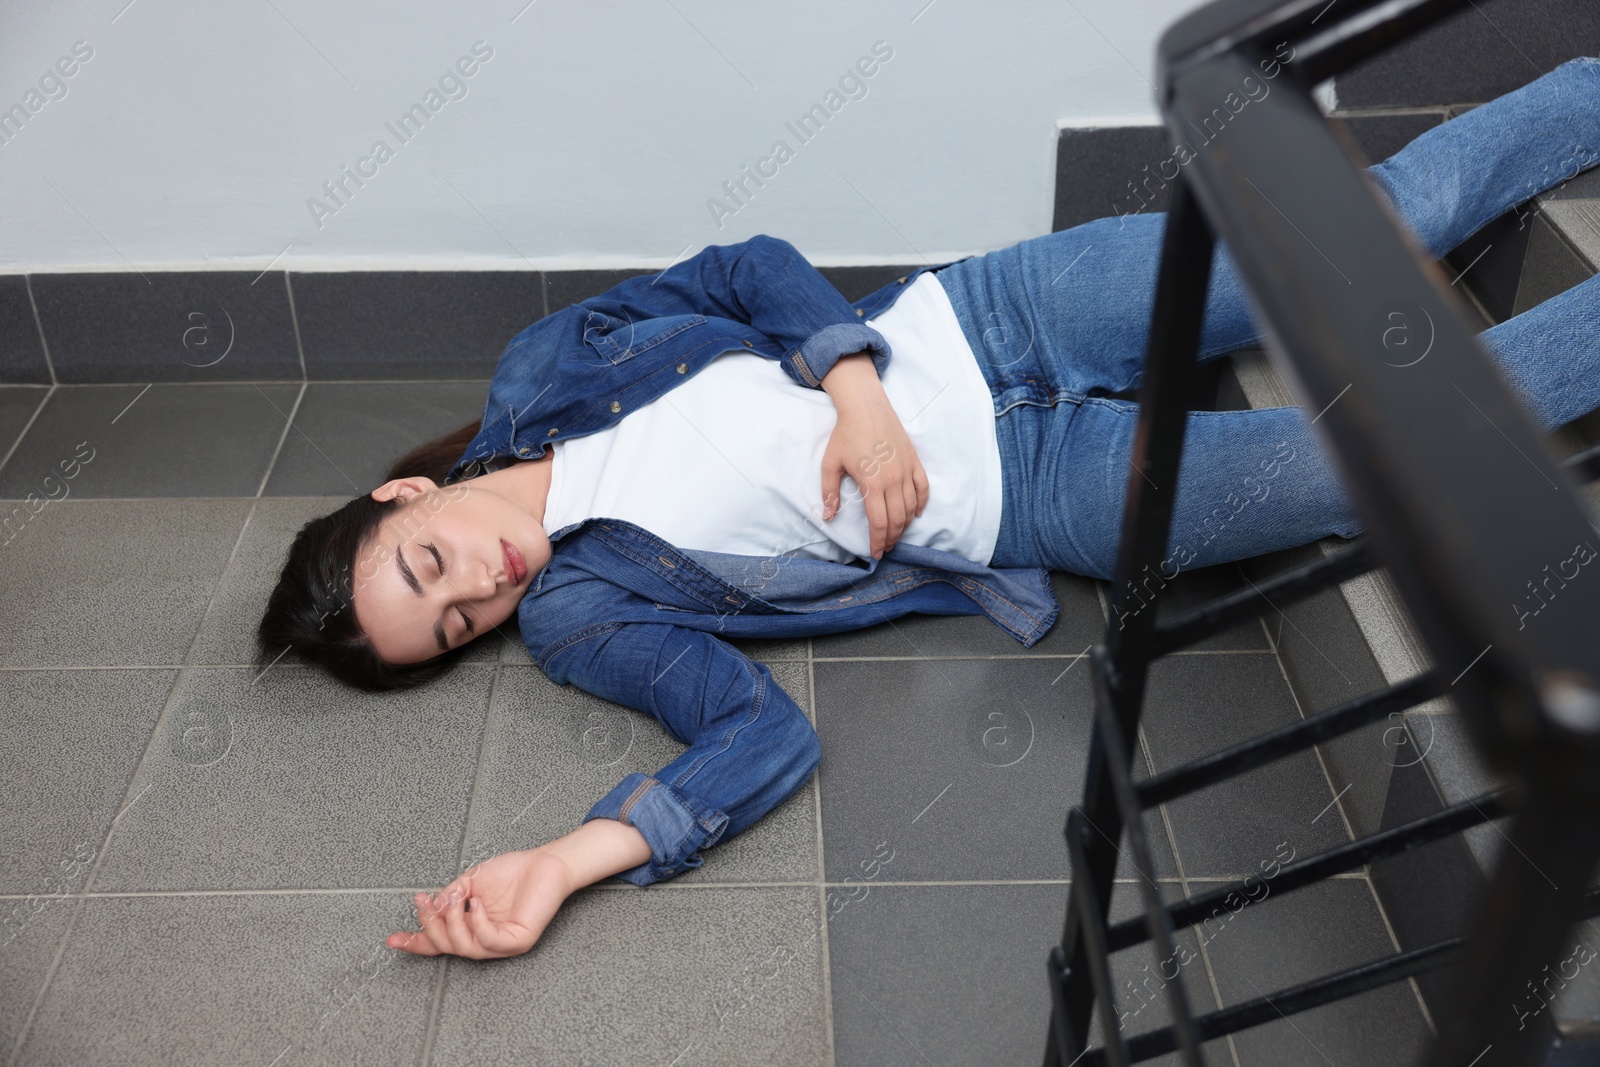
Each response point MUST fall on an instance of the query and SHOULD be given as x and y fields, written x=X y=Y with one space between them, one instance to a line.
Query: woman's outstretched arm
x=750 y=748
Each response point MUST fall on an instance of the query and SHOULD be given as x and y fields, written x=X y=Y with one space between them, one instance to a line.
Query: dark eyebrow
x=416 y=587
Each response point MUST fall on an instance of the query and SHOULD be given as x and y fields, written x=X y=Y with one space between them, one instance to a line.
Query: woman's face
x=412 y=612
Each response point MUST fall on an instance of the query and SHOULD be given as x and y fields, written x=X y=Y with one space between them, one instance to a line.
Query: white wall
x=594 y=136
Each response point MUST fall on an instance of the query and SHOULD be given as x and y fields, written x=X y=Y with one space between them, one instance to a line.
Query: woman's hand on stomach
x=870 y=445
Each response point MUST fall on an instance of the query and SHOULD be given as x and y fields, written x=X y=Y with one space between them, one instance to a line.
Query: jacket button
x=554 y=431
x=683 y=368
x=860 y=312
x=615 y=406
x=524 y=450
x=902 y=281
x=747 y=344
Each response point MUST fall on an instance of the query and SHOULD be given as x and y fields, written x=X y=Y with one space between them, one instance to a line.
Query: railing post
x=1177 y=315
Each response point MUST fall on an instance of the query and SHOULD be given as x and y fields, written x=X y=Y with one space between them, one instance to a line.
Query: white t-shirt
x=731 y=459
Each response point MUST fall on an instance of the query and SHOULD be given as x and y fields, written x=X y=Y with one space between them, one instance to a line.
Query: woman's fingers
x=431 y=940
x=897 y=514
x=877 y=520
x=462 y=940
x=832 y=474
x=445 y=927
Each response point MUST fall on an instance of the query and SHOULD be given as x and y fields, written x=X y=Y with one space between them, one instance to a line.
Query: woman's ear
x=404 y=488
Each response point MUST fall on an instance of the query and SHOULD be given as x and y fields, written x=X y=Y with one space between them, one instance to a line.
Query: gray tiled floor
x=202 y=865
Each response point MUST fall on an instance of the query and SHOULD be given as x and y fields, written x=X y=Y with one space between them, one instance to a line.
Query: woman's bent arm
x=750 y=745
x=766 y=283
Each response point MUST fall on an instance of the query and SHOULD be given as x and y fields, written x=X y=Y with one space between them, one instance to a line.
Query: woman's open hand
x=514 y=896
x=870 y=445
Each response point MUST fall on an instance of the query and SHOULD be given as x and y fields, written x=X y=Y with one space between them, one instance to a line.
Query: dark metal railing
x=1449 y=507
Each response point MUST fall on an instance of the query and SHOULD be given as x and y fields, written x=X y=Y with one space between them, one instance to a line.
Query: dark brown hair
x=311 y=611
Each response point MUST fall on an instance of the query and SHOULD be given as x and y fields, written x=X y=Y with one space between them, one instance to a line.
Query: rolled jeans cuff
x=676 y=826
x=816 y=357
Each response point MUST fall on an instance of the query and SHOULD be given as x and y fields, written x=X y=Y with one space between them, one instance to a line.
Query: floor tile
x=1189 y=590
x=943 y=974
x=716 y=976
x=229 y=633
x=964 y=769
x=773 y=649
x=21 y=355
x=1196 y=705
x=288 y=782
x=31 y=929
x=1141 y=977
x=248 y=978
x=173 y=440
x=766 y=649
x=73 y=739
x=114 y=582
x=17 y=405
x=955 y=975
x=412 y=324
x=167 y=326
x=347 y=436
x=553 y=751
x=1080 y=624
x=1295 y=937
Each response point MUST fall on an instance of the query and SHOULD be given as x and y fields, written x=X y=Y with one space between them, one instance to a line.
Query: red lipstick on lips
x=516 y=566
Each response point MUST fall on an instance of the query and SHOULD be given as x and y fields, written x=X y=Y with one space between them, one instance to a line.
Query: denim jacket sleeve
x=766 y=283
x=750 y=745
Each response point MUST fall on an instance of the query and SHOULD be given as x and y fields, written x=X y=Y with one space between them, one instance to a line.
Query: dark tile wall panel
x=22 y=358
x=412 y=324
x=1377 y=137
x=1118 y=170
x=568 y=287
x=1487 y=48
x=1099 y=171
x=178 y=326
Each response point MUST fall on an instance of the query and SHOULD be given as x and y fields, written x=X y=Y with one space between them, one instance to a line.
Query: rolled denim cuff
x=814 y=359
x=676 y=826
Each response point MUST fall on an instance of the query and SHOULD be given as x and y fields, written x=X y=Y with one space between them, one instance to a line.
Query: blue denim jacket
x=623 y=614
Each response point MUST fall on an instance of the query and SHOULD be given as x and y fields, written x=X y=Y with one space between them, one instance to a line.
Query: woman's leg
x=1249 y=482
x=1066 y=315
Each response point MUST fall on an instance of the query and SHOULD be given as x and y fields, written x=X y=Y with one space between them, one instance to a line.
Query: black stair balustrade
x=1450 y=508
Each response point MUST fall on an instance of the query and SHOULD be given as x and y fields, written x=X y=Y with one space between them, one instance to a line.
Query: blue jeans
x=1058 y=321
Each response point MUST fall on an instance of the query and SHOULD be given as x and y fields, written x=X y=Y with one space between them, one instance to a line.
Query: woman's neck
x=526 y=483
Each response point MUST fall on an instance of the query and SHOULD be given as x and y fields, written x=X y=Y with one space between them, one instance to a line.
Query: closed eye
x=440 y=561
